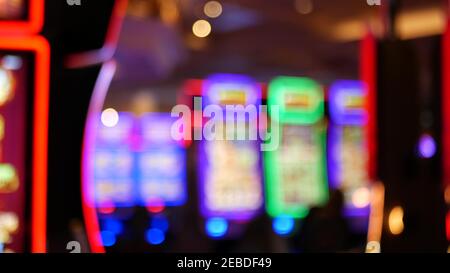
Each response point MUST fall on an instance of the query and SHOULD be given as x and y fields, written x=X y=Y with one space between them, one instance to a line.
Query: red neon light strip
x=41 y=48
x=369 y=76
x=31 y=26
x=109 y=47
x=90 y=215
x=445 y=104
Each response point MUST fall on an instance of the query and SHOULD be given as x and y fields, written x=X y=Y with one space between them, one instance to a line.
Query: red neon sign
x=31 y=25
x=41 y=49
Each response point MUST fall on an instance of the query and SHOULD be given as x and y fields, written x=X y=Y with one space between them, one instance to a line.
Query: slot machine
x=295 y=172
x=24 y=102
x=348 y=149
x=135 y=166
x=230 y=178
x=162 y=178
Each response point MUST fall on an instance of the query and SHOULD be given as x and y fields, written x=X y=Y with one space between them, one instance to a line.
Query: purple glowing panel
x=113 y=163
x=348 y=147
x=347 y=102
x=231 y=90
x=230 y=177
x=161 y=163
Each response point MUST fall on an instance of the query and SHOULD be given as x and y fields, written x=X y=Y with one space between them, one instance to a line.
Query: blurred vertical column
x=446 y=117
x=84 y=39
x=407 y=131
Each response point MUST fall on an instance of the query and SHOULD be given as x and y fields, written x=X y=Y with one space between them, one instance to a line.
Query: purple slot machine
x=348 y=151
x=231 y=190
x=161 y=180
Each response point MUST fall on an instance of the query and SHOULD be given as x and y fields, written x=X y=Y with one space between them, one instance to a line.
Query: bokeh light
x=283 y=225
x=110 y=117
x=108 y=238
x=427 y=146
x=201 y=28
x=396 y=225
x=155 y=236
x=212 y=9
x=216 y=227
x=361 y=198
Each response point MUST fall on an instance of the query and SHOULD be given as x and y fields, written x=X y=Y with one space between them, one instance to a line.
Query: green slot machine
x=295 y=171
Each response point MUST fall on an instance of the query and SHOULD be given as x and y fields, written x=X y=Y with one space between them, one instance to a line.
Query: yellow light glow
x=213 y=9
x=447 y=194
x=396 y=225
x=169 y=12
x=110 y=117
x=410 y=24
x=201 y=28
x=9 y=181
x=304 y=6
x=6 y=86
x=361 y=198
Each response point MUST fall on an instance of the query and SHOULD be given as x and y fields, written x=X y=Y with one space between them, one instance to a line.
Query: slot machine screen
x=230 y=170
x=14 y=83
x=162 y=163
x=295 y=172
x=348 y=147
x=113 y=160
x=13 y=10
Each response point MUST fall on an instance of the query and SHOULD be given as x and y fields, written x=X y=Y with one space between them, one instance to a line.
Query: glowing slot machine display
x=162 y=163
x=24 y=90
x=296 y=171
x=161 y=174
x=348 y=152
x=231 y=188
x=113 y=159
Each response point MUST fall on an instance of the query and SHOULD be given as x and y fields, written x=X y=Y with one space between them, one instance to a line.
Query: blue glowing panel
x=114 y=164
x=161 y=163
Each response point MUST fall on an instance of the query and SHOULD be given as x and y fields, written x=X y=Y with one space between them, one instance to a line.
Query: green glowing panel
x=296 y=172
x=300 y=100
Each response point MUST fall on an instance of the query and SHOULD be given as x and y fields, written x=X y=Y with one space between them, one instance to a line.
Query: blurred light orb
x=6 y=86
x=201 y=28
x=108 y=238
x=304 y=6
x=216 y=227
x=427 y=146
x=361 y=198
x=155 y=236
x=110 y=117
x=283 y=225
x=447 y=194
x=395 y=221
x=212 y=9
